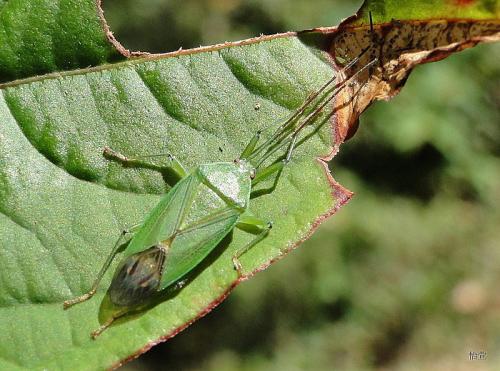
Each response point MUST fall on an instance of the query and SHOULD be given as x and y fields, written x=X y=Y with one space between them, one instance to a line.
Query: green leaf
x=63 y=205
x=43 y=36
x=387 y=10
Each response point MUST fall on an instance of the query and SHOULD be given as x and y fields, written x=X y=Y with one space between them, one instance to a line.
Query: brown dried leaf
x=399 y=47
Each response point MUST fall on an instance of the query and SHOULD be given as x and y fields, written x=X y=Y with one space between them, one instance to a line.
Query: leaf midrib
x=146 y=57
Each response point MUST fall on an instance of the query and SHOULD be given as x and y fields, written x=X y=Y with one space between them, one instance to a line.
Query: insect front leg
x=139 y=161
x=92 y=291
x=265 y=173
x=251 y=145
x=245 y=222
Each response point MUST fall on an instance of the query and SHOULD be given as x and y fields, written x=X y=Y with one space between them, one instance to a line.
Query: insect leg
x=251 y=145
x=267 y=172
x=175 y=165
x=105 y=325
x=291 y=148
x=88 y=295
x=245 y=222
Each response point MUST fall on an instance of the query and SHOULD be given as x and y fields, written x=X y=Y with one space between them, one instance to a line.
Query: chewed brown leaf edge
x=398 y=46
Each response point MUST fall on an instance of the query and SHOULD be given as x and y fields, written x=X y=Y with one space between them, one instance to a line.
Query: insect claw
x=237 y=266
x=100 y=330
x=79 y=299
x=67 y=304
x=108 y=152
x=96 y=333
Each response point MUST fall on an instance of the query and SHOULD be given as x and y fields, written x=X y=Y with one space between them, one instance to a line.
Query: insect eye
x=137 y=277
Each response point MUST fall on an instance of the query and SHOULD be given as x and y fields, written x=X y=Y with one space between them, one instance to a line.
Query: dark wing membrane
x=194 y=242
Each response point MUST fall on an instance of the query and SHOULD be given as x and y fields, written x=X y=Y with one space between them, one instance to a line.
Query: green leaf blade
x=63 y=205
x=39 y=37
x=388 y=10
x=56 y=129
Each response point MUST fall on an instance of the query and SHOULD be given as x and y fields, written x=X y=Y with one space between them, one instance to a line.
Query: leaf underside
x=63 y=205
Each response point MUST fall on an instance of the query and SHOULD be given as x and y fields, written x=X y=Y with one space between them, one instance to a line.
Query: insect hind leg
x=94 y=334
x=92 y=291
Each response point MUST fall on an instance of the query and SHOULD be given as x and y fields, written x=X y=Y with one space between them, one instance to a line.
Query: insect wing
x=165 y=219
x=191 y=247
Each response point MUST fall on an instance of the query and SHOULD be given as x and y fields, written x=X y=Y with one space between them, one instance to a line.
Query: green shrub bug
x=199 y=211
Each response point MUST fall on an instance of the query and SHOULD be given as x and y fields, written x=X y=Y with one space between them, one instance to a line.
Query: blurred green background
x=404 y=277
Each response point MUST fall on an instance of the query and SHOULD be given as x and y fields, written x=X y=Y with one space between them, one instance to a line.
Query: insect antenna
x=283 y=128
x=287 y=134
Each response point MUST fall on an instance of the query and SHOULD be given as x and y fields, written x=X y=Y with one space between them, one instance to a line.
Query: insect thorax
x=230 y=180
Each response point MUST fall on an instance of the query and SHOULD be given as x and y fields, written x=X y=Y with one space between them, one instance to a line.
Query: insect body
x=198 y=212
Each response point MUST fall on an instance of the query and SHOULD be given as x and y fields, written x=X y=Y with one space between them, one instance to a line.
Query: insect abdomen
x=137 y=278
